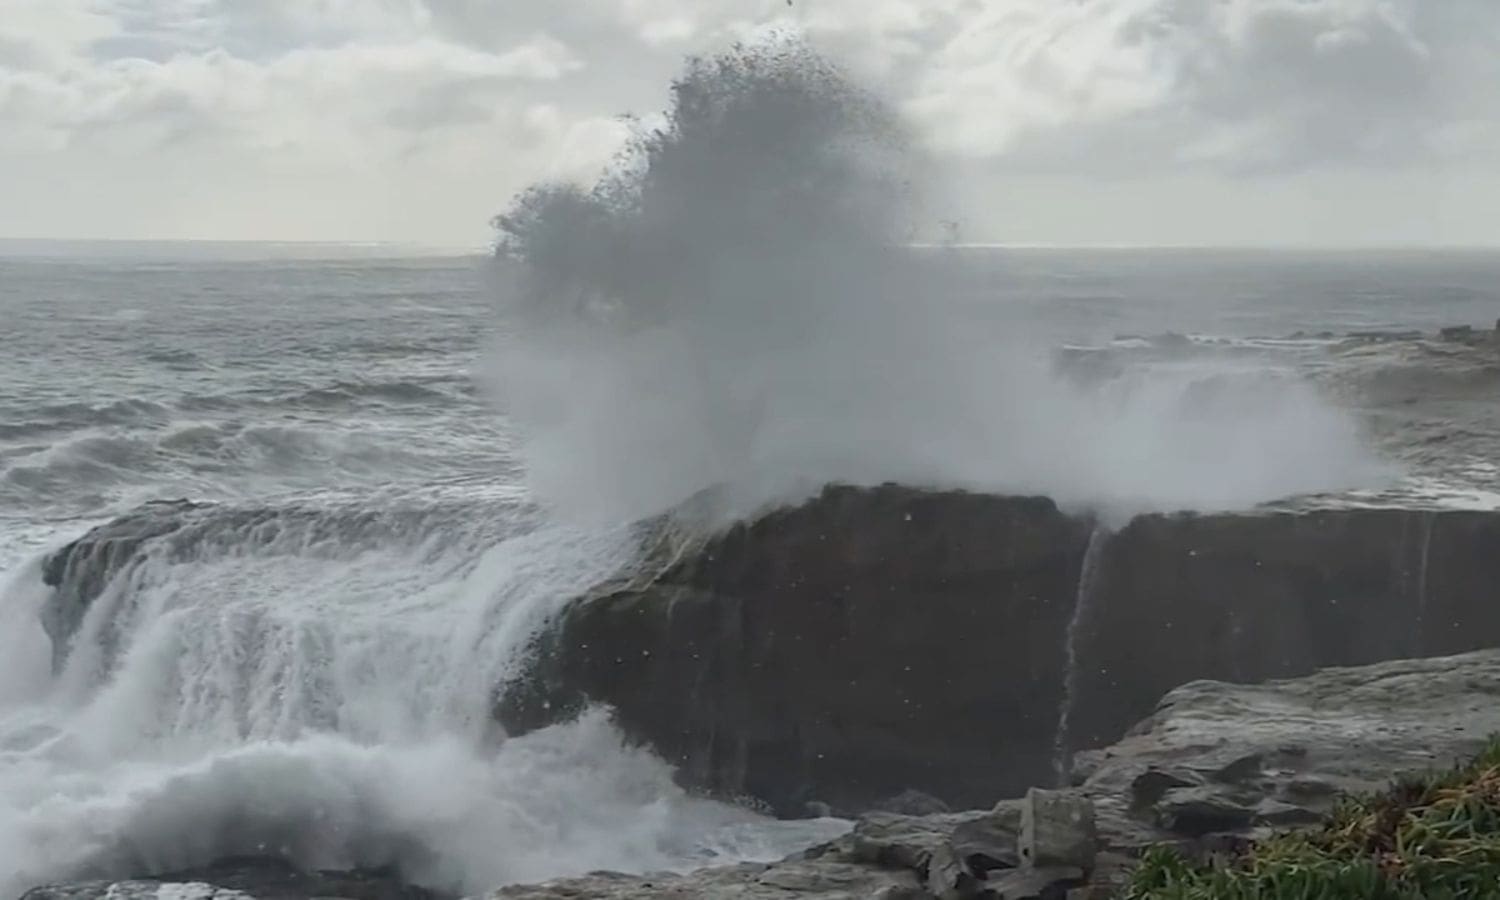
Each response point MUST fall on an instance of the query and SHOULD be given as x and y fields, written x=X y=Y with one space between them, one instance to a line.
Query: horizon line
x=440 y=247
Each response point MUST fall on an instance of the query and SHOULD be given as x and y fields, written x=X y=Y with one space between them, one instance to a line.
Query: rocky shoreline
x=1214 y=766
x=892 y=656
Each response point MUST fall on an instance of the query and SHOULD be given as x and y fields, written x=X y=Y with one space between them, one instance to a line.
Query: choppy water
x=315 y=679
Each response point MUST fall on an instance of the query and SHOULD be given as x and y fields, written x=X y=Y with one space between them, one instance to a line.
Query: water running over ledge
x=1062 y=750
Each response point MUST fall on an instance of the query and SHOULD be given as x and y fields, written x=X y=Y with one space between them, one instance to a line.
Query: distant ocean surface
x=248 y=371
x=376 y=562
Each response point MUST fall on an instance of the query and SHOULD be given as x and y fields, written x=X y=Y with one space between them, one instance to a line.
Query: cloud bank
x=413 y=118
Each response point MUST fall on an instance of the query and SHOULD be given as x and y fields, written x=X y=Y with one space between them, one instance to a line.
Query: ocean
x=306 y=667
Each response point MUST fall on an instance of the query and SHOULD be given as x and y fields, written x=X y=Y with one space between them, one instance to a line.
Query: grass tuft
x=1429 y=837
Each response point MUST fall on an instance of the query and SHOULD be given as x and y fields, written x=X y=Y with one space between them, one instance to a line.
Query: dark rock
x=899 y=842
x=1309 y=788
x=841 y=651
x=948 y=878
x=1034 y=884
x=243 y=879
x=1196 y=811
x=844 y=650
x=886 y=855
x=1150 y=786
x=1058 y=830
x=1347 y=730
x=1240 y=770
x=912 y=803
x=988 y=843
x=821 y=879
x=938 y=857
x=983 y=841
x=1092 y=892
x=1276 y=814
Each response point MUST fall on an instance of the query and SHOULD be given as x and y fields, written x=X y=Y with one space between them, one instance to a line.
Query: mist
x=734 y=305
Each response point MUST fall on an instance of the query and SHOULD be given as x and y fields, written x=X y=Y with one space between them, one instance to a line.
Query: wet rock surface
x=882 y=640
x=243 y=879
x=887 y=855
x=1217 y=759
x=843 y=652
x=80 y=571
x=1216 y=765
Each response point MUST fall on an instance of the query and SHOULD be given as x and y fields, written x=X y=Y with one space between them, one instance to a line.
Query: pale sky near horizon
x=1279 y=122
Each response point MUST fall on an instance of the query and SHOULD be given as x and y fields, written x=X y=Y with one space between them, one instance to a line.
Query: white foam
x=563 y=801
x=272 y=696
x=191 y=891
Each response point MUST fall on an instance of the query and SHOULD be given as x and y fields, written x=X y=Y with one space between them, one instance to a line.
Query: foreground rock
x=887 y=856
x=1216 y=765
x=242 y=879
x=873 y=641
x=1221 y=759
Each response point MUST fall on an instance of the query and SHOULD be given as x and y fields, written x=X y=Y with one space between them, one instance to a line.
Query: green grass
x=1434 y=837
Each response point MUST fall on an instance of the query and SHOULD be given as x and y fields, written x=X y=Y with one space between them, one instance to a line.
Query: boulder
x=1219 y=759
x=875 y=641
x=1057 y=830
x=943 y=856
x=981 y=841
x=845 y=651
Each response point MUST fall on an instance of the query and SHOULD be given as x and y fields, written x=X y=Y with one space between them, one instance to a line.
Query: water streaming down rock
x=1082 y=608
x=1429 y=519
x=316 y=686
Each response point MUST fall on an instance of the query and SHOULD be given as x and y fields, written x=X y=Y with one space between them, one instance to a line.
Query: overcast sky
x=1325 y=122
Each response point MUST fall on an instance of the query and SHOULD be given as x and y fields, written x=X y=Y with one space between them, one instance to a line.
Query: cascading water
x=261 y=685
x=1088 y=572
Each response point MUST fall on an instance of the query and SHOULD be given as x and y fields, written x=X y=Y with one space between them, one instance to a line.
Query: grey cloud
x=1084 y=89
x=1238 y=86
x=446 y=105
x=19 y=54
